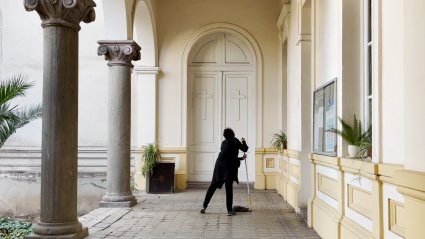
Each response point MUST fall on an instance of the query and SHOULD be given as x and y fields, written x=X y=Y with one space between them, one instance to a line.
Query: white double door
x=218 y=100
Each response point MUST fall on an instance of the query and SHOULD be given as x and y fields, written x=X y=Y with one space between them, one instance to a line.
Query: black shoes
x=231 y=213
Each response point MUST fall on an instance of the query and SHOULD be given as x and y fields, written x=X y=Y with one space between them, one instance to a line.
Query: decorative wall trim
x=327 y=185
x=358 y=200
x=332 y=174
x=411 y=183
x=351 y=229
x=270 y=163
x=266 y=151
x=396 y=219
x=326 y=160
x=146 y=70
x=292 y=153
x=386 y=172
x=359 y=194
x=179 y=150
x=91 y=159
x=389 y=193
x=359 y=167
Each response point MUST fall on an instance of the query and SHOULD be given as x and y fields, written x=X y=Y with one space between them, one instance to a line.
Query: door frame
x=255 y=137
x=220 y=109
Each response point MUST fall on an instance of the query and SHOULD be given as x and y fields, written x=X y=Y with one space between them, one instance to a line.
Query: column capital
x=67 y=13
x=119 y=52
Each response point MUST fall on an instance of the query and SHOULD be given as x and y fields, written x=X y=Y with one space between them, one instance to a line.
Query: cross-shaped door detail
x=204 y=97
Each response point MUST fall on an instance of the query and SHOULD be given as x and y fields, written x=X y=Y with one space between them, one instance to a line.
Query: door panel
x=203 y=125
x=220 y=100
x=236 y=102
x=220 y=71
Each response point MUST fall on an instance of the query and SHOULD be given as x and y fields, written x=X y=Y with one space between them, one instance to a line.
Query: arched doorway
x=220 y=94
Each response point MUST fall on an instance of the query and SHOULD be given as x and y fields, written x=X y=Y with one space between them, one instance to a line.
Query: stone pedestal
x=119 y=54
x=60 y=22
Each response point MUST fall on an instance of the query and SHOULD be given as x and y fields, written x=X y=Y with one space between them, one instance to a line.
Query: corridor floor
x=177 y=216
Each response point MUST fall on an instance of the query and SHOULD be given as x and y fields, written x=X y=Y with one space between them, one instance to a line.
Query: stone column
x=119 y=54
x=60 y=22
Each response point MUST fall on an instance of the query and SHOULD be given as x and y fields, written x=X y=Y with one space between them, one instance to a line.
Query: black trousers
x=229 y=194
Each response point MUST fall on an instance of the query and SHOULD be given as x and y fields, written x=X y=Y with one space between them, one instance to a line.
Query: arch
x=144 y=33
x=254 y=48
x=256 y=88
x=117 y=18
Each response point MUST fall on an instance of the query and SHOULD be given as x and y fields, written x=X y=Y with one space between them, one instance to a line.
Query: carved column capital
x=119 y=53
x=68 y=13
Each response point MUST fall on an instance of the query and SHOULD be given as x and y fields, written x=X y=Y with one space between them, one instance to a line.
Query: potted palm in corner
x=159 y=174
x=279 y=141
x=353 y=135
x=150 y=156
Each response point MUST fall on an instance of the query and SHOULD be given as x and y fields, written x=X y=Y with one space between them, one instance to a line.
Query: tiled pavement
x=177 y=216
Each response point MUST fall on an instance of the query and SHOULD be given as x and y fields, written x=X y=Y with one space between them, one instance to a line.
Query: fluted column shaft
x=60 y=22
x=119 y=54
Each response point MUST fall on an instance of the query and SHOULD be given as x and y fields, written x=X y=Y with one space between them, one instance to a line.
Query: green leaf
x=279 y=140
x=11 y=117
x=351 y=134
x=150 y=156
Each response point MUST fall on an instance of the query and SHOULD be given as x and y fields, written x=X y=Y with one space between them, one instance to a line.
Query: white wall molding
x=256 y=87
x=28 y=159
x=146 y=70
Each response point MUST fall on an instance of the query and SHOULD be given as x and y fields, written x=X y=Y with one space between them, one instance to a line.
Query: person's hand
x=244 y=157
x=243 y=139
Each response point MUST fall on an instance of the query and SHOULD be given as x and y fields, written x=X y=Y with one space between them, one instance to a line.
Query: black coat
x=226 y=166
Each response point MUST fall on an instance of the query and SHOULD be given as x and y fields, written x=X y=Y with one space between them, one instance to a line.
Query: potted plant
x=353 y=135
x=279 y=141
x=365 y=147
x=150 y=156
x=159 y=174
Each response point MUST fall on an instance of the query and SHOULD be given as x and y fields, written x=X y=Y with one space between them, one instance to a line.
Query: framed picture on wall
x=325 y=118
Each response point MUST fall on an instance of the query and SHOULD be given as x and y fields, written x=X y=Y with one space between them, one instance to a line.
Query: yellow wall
x=357 y=199
x=177 y=21
x=178 y=156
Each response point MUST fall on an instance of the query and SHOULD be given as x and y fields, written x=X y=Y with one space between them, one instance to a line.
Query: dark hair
x=228 y=133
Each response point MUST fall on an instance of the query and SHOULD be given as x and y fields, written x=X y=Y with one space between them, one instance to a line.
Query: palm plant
x=150 y=155
x=279 y=140
x=365 y=146
x=353 y=135
x=11 y=117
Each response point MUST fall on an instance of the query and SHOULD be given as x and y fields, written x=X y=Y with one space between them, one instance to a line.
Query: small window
x=324 y=118
x=367 y=61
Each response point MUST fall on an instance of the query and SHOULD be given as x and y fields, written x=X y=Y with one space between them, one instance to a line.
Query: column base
x=59 y=230
x=118 y=204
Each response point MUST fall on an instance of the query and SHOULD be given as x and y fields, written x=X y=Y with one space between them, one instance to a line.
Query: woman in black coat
x=226 y=168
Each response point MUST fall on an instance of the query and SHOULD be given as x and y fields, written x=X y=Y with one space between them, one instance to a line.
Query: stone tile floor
x=177 y=216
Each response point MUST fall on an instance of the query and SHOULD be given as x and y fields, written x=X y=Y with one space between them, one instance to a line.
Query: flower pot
x=161 y=180
x=352 y=150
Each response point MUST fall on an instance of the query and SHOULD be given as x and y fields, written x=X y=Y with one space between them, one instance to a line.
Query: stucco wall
x=22 y=52
x=327 y=44
x=20 y=193
x=392 y=82
x=294 y=82
x=178 y=20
